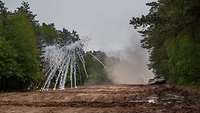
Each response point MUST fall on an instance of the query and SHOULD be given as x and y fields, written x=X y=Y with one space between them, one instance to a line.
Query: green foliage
x=49 y=33
x=171 y=33
x=19 y=65
x=21 y=37
x=96 y=71
x=24 y=41
x=183 y=62
x=65 y=37
x=8 y=62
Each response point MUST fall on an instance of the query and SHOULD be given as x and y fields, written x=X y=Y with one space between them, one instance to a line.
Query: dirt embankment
x=104 y=99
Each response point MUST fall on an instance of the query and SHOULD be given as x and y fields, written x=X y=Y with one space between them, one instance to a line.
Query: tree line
x=21 y=40
x=171 y=32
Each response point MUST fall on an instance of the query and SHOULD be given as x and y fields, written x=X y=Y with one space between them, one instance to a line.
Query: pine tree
x=171 y=34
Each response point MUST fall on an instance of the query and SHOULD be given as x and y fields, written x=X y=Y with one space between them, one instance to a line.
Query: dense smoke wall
x=129 y=66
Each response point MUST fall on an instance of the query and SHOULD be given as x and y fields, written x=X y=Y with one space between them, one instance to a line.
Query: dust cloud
x=129 y=67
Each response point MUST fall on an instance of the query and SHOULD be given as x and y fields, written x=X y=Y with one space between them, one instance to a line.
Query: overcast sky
x=104 y=22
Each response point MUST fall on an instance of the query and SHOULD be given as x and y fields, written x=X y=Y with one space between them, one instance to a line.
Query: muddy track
x=103 y=99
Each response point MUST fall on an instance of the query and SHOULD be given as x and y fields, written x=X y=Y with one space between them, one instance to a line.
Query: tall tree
x=19 y=65
x=171 y=34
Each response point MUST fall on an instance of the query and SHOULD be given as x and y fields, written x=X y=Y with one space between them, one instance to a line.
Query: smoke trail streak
x=98 y=60
x=62 y=60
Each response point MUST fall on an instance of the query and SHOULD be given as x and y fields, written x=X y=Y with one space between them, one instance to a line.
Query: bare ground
x=104 y=99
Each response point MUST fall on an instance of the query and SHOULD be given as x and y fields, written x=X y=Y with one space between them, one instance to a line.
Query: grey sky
x=105 y=22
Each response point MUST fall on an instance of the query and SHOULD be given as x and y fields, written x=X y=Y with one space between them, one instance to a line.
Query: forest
x=171 y=35
x=21 y=40
x=44 y=69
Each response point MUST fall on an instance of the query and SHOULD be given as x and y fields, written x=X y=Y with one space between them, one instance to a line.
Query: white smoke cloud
x=130 y=67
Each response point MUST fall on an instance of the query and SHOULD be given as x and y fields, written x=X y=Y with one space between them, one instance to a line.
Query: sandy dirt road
x=103 y=99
